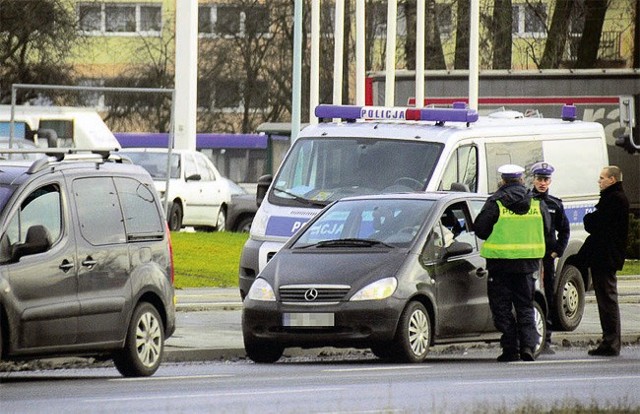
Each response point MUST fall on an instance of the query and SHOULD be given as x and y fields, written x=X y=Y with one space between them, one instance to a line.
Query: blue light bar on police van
x=459 y=113
x=569 y=112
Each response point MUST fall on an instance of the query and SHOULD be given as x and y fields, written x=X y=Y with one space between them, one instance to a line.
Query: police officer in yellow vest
x=513 y=225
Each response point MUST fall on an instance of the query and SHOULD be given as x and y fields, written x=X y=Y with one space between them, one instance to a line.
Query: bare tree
x=595 y=11
x=153 y=67
x=35 y=41
x=557 y=35
x=461 y=60
x=501 y=29
x=433 y=46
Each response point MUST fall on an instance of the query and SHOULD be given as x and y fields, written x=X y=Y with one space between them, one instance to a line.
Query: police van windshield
x=321 y=170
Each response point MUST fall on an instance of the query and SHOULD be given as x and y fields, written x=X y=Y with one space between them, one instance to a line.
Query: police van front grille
x=313 y=293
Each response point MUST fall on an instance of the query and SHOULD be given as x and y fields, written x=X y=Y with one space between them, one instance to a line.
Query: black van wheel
x=262 y=351
x=568 y=304
x=144 y=344
x=414 y=334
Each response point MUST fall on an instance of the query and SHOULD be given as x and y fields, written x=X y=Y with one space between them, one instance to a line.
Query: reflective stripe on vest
x=516 y=236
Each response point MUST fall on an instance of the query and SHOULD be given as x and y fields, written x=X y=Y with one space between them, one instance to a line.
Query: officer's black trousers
x=509 y=292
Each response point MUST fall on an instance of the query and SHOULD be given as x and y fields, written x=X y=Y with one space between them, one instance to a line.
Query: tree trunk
x=594 y=12
x=557 y=37
x=636 y=46
x=463 y=24
x=502 y=21
x=434 y=55
x=410 y=42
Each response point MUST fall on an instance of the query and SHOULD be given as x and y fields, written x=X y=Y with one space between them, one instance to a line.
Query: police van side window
x=39 y=216
x=99 y=212
x=524 y=153
x=141 y=215
x=462 y=168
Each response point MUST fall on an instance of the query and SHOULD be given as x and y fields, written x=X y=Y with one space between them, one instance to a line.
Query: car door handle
x=89 y=262
x=66 y=265
x=481 y=272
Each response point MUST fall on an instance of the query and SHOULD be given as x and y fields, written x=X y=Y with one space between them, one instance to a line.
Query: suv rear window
x=99 y=210
x=98 y=200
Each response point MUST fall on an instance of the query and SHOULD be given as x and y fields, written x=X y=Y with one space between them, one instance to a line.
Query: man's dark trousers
x=606 y=290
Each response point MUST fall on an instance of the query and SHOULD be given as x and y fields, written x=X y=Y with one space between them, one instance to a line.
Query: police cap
x=542 y=169
x=511 y=171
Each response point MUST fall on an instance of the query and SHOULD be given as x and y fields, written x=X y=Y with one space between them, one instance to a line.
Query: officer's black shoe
x=526 y=354
x=603 y=351
x=547 y=349
x=509 y=355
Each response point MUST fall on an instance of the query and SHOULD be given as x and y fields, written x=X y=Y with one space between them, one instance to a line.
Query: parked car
x=85 y=261
x=396 y=273
x=198 y=195
x=241 y=209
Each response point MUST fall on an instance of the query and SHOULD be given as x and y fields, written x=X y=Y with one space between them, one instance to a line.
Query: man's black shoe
x=527 y=354
x=601 y=351
x=509 y=356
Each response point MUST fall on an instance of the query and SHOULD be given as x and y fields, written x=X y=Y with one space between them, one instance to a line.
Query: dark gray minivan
x=85 y=261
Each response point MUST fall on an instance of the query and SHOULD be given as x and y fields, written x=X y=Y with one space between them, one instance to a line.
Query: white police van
x=375 y=150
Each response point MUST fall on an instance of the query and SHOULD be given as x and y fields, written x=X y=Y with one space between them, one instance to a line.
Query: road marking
x=547 y=380
x=215 y=394
x=400 y=367
x=172 y=377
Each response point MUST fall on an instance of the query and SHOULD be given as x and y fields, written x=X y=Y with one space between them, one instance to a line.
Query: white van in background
x=376 y=150
x=57 y=127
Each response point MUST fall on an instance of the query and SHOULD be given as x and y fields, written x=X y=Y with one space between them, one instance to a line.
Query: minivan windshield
x=366 y=223
x=321 y=170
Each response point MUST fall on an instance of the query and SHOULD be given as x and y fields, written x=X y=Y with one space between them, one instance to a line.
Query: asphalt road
x=209 y=324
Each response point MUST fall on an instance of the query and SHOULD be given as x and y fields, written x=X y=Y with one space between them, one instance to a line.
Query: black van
x=85 y=261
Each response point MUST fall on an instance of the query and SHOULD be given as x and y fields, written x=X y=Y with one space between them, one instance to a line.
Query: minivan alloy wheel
x=414 y=333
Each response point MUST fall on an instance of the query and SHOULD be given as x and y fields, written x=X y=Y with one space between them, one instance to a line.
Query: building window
x=529 y=19
x=120 y=19
x=233 y=21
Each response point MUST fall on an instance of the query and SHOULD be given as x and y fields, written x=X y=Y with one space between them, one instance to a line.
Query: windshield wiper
x=302 y=199
x=347 y=243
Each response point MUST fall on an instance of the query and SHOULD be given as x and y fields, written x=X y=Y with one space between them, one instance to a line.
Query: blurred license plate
x=307 y=319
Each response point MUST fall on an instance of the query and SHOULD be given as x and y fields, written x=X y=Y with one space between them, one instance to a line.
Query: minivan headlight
x=261 y=290
x=377 y=290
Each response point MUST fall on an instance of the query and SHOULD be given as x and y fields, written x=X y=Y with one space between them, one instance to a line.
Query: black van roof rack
x=67 y=154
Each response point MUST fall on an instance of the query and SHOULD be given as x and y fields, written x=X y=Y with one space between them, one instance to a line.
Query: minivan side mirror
x=263 y=185
x=193 y=177
x=457 y=248
x=36 y=241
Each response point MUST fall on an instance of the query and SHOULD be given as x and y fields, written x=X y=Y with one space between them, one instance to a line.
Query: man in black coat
x=557 y=238
x=604 y=251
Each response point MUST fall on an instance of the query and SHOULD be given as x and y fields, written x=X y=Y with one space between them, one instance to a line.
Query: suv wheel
x=414 y=333
x=144 y=344
x=175 y=217
x=568 y=304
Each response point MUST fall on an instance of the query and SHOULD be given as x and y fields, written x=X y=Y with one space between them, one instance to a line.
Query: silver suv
x=85 y=261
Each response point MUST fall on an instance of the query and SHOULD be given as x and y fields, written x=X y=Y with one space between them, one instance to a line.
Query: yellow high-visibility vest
x=516 y=236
